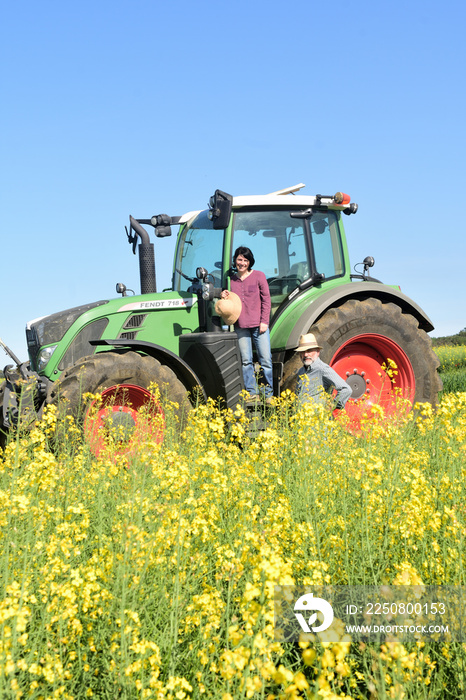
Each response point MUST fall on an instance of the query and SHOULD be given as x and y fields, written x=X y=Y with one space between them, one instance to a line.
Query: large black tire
x=376 y=321
x=104 y=371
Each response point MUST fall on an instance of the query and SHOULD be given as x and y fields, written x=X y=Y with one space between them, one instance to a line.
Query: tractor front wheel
x=380 y=352
x=126 y=410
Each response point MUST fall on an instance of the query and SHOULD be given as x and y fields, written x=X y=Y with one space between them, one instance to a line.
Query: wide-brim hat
x=229 y=309
x=308 y=342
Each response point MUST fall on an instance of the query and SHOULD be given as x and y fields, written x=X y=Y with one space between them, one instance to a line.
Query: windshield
x=200 y=245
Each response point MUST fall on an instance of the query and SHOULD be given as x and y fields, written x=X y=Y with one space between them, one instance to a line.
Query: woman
x=253 y=323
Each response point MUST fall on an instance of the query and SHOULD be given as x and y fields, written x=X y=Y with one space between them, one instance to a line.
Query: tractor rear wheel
x=379 y=351
x=127 y=409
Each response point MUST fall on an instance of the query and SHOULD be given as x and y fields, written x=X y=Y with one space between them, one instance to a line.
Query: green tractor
x=175 y=338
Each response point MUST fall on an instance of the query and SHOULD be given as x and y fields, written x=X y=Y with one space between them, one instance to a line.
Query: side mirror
x=220 y=209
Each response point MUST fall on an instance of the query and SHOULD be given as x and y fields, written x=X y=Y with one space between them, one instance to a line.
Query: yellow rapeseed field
x=153 y=577
x=452 y=357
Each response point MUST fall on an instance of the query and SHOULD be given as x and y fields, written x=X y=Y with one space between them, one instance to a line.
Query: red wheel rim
x=379 y=372
x=124 y=416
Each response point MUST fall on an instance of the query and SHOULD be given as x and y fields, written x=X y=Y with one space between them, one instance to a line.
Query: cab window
x=199 y=246
x=281 y=246
x=278 y=243
x=326 y=243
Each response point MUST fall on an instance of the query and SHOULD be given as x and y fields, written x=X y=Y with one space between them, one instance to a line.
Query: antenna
x=290 y=190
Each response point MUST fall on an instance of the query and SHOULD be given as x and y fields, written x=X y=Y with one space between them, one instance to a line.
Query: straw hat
x=229 y=309
x=308 y=342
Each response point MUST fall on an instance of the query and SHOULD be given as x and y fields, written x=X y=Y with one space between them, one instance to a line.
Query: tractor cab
x=296 y=241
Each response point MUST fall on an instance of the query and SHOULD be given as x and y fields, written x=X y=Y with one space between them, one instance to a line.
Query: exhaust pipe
x=146 y=258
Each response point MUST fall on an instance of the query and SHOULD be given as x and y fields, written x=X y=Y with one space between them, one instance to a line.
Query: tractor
x=120 y=347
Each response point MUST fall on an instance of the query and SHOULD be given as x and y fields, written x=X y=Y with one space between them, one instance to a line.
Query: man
x=315 y=378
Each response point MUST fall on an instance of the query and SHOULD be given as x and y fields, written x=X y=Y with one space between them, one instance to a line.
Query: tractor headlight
x=44 y=356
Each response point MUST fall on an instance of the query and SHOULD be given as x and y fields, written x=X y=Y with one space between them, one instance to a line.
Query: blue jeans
x=262 y=346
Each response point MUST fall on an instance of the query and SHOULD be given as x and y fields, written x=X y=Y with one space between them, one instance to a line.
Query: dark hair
x=246 y=253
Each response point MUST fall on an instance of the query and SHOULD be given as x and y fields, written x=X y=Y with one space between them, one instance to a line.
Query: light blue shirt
x=318 y=379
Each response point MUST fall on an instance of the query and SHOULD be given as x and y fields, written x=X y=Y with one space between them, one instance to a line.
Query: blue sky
x=142 y=107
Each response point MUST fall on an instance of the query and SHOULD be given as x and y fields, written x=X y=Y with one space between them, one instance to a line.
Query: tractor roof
x=283 y=198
